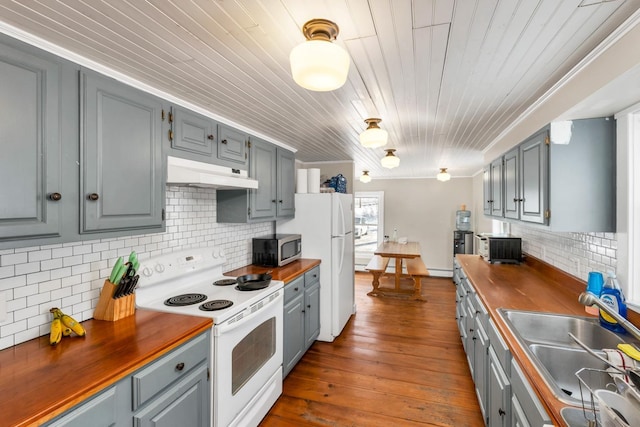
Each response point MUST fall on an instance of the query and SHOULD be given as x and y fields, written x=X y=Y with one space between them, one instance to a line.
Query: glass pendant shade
x=365 y=177
x=318 y=64
x=443 y=175
x=390 y=161
x=373 y=136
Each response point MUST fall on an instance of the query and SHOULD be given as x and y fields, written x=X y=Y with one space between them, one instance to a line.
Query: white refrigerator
x=325 y=221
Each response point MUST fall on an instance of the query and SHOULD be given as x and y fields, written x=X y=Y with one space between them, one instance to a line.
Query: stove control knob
x=220 y=252
x=147 y=271
x=159 y=268
x=214 y=254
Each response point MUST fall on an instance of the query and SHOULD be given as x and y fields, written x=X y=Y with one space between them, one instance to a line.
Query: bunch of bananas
x=63 y=325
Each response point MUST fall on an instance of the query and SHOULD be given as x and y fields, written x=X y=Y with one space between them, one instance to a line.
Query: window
x=368 y=229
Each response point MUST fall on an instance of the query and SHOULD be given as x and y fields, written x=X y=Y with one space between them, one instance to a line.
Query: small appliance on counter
x=499 y=248
x=276 y=250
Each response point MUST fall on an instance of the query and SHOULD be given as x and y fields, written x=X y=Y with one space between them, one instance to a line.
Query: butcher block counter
x=39 y=382
x=285 y=273
x=534 y=286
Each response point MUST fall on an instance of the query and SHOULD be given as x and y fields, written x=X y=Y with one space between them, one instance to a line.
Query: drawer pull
x=295 y=289
x=180 y=366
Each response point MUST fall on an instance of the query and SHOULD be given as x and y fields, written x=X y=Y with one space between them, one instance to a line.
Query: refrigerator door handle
x=341 y=254
x=340 y=229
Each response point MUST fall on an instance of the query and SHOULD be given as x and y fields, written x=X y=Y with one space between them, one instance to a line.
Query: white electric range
x=247 y=330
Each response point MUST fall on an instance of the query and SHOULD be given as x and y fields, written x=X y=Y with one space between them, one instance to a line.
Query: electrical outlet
x=3 y=307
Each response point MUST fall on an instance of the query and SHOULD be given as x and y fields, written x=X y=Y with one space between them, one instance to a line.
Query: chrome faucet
x=589 y=299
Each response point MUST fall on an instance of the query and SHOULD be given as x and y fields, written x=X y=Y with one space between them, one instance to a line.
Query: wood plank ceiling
x=445 y=76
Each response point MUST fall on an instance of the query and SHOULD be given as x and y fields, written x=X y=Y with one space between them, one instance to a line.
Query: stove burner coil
x=225 y=282
x=216 y=304
x=185 y=299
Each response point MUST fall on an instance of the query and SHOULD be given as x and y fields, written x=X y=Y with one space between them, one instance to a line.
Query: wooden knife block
x=112 y=309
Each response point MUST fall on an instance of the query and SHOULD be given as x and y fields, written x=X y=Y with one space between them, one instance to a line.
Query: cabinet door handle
x=273 y=200
x=180 y=366
x=55 y=196
x=501 y=412
x=170 y=135
x=308 y=305
x=295 y=289
x=224 y=141
x=210 y=137
x=93 y=196
x=279 y=201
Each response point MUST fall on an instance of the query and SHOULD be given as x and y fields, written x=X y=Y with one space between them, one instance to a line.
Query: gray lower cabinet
x=274 y=168
x=122 y=179
x=30 y=101
x=301 y=317
x=504 y=395
x=170 y=391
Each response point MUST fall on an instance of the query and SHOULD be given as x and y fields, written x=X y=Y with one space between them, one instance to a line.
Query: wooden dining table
x=398 y=251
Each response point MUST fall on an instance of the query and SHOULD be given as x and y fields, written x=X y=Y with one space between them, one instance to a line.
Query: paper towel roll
x=313 y=180
x=301 y=183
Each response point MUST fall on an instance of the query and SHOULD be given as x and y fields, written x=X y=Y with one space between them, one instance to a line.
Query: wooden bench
x=417 y=270
x=377 y=266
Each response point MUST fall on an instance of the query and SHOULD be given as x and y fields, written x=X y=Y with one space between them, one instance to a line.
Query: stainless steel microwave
x=276 y=250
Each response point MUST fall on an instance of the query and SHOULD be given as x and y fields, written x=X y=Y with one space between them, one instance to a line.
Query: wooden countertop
x=39 y=382
x=533 y=286
x=285 y=273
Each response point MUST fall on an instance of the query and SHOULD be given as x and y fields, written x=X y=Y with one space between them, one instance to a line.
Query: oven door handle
x=230 y=326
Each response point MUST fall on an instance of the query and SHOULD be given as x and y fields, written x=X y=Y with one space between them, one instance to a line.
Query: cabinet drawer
x=153 y=379
x=500 y=347
x=293 y=288
x=312 y=276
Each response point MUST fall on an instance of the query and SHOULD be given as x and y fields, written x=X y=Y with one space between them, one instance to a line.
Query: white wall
x=70 y=275
x=424 y=210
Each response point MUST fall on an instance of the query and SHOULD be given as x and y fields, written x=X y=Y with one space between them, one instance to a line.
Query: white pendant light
x=443 y=175
x=318 y=64
x=390 y=161
x=373 y=136
x=365 y=177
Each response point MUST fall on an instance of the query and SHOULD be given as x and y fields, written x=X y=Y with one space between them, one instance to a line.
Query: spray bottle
x=612 y=296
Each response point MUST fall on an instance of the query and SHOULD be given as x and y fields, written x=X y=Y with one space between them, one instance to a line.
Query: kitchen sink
x=554 y=329
x=545 y=338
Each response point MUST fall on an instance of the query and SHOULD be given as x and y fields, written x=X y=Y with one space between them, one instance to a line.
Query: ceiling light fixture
x=365 y=177
x=373 y=136
x=443 y=175
x=317 y=64
x=390 y=161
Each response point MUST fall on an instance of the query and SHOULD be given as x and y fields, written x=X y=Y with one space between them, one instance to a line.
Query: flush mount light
x=443 y=175
x=317 y=64
x=390 y=161
x=365 y=177
x=373 y=136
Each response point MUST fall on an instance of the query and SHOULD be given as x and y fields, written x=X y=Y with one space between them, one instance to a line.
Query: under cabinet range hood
x=199 y=174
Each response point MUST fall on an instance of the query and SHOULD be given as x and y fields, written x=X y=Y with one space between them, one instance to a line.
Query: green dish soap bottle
x=612 y=296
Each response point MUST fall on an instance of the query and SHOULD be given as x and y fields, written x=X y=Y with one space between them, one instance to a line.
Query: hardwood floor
x=398 y=362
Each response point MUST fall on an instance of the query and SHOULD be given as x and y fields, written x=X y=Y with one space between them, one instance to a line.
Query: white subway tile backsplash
x=71 y=275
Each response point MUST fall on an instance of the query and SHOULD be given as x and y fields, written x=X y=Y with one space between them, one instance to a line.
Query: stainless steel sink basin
x=545 y=338
x=554 y=329
x=561 y=362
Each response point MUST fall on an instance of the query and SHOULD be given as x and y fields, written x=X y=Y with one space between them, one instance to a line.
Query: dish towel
x=621 y=360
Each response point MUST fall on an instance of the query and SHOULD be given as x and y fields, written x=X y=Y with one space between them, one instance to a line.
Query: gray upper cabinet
x=286 y=167
x=192 y=132
x=262 y=201
x=496 y=198
x=533 y=185
x=32 y=191
x=568 y=187
x=122 y=179
x=512 y=184
x=233 y=145
x=486 y=190
x=273 y=167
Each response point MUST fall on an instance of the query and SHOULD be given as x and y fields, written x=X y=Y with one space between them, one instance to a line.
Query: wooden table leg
x=398 y=271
